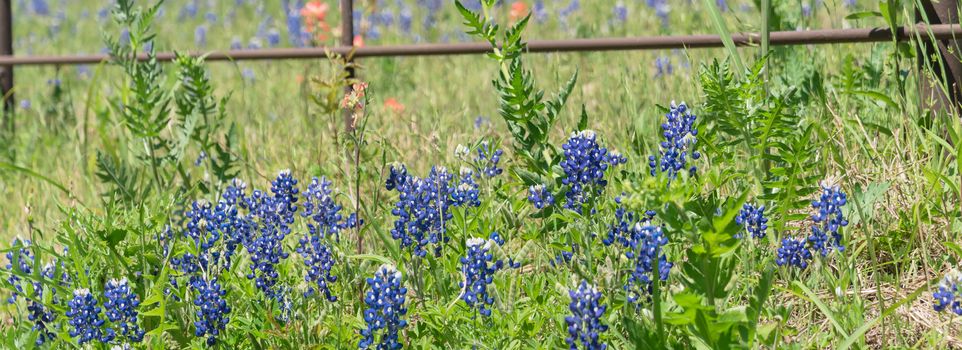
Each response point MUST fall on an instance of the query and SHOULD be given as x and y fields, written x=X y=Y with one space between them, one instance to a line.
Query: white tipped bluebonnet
x=678 y=146
x=828 y=218
x=753 y=220
x=793 y=252
x=584 y=164
x=212 y=309
x=385 y=310
x=273 y=215
x=423 y=206
x=540 y=196
x=644 y=242
x=121 y=309
x=84 y=318
x=584 y=324
x=478 y=271
x=313 y=246
x=948 y=296
x=488 y=159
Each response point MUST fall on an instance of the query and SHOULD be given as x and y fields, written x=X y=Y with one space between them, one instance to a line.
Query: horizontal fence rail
x=822 y=36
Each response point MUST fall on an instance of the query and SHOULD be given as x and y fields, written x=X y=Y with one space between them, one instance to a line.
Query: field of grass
x=96 y=165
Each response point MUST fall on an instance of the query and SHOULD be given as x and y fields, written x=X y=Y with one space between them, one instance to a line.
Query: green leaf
x=863 y=14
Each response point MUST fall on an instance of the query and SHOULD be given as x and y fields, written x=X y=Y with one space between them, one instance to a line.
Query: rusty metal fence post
x=940 y=90
x=6 y=72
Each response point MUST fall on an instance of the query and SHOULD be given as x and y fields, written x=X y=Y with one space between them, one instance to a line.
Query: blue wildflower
x=274 y=215
x=212 y=309
x=663 y=66
x=828 y=218
x=496 y=237
x=620 y=11
x=540 y=196
x=680 y=137
x=949 y=293
x=19 y=260
x=84 y=317
x=423 y=206
x=753 y=219
x=584 y=325
x=121 y=309
x=326 y=223
x=478 y=272
x=793 y=252
x=385 y=309
x=584 y=164
x=487 y=160
x=273 y=37
x=466 y=194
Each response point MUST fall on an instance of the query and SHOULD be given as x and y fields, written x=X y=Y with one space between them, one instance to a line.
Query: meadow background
x=895 y=159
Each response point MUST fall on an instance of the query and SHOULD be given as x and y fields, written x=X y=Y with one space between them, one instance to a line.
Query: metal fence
x=937 y=31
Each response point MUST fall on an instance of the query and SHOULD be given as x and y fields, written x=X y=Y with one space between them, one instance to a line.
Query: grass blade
x=725 y=35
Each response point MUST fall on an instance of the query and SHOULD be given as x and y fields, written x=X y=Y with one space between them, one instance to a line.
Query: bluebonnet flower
x=496 y=237
x=83 y=71
x=22 y=256
x=584 y=324
x=793 y=252
x=273 y=37
x=478 y=272
x=806 y=10
x=949 y=293
x=235 y=43
x=41 y=316
x=663 y=66
x=405 y=20
x=540 y=13
x=385 y=309
x=189 y=9
x=200 y=158
x=121 y=308
x=296 y=34
x=480 y=121
x=423 y=206
x=850 y=3
x=680 y=137
x=274 y=214
x=661 y=10
x=620 y=11
x=211 y=17
x=563 y=257
x=40 y=7
x=326 y=223
x=212 y=309
x=248 y=74
x=25 y=104
x=722 y=5
x=540 y=196
x=433 y=7
x=466 y=194
x=828 y=218
x=644 y=242
x=584 y=164
x=84 y=315
x=753 y=219
x=200 y=36
x=488 y=160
